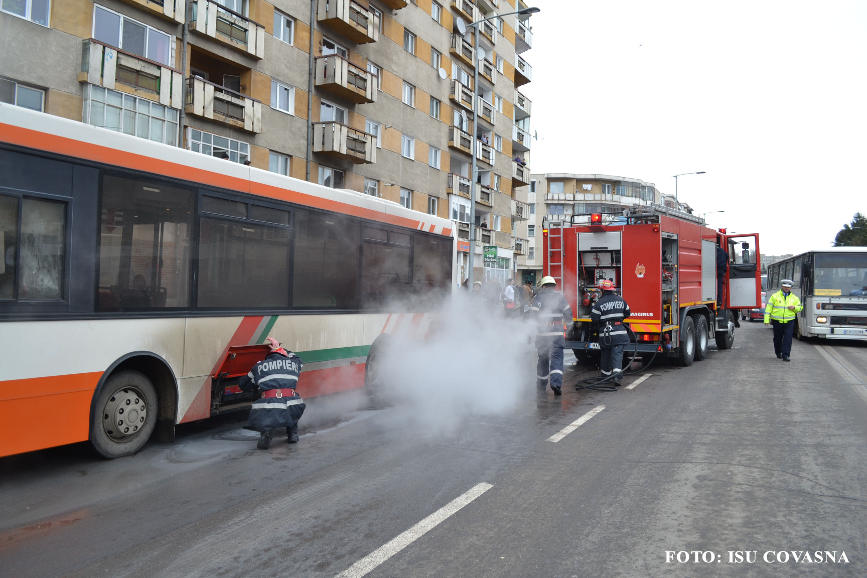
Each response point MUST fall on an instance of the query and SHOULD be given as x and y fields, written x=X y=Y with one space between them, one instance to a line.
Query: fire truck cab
x=664 y=264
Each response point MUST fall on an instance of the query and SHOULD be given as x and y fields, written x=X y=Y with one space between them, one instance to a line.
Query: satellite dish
x=442 y=73
x=461 y=25
x=481 y=53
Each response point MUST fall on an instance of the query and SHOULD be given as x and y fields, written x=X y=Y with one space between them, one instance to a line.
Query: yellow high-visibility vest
x=777 y=308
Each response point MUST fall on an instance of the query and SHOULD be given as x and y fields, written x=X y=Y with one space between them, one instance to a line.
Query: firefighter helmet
x=547 y=280
x=606 y=285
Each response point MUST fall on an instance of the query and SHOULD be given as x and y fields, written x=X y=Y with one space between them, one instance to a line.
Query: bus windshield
x=841 y=274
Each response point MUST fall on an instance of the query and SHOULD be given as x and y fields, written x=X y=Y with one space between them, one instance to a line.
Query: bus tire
x=687 y=342
x=701 y=337
x=124 y=414
x=374 y=379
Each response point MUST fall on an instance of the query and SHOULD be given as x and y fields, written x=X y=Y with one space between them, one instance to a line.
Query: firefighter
x=780 y=312
x=607 y=315
x=279 y=405
x=553 y=313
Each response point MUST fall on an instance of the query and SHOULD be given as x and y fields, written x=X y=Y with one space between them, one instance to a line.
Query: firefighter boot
x=264 y=440
x=292 y=433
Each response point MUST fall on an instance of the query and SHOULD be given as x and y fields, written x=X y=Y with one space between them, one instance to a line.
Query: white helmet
x=547 y=280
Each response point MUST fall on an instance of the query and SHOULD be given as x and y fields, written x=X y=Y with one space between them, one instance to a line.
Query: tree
x=854 y=235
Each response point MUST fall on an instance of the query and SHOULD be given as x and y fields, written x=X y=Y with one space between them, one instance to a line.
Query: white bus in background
x=138 y=281
x=832 y=286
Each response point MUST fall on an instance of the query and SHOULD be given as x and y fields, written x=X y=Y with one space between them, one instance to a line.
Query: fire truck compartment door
x=708 y=271
x=743 y=274
x=599 y=241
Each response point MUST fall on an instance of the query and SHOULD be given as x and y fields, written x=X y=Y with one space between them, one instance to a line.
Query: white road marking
x=575 y=424
x=389 y=549
x=635 y=383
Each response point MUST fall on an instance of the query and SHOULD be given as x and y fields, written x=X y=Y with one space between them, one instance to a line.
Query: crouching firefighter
x=553 y=314
x=279 y=405
x=607 y=316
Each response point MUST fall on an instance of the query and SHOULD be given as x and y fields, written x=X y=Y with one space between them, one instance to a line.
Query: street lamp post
x=474 y=26
x=680 y=175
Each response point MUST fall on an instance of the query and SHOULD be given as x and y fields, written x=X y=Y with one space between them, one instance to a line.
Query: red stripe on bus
x=27 y=403
x=331 y=380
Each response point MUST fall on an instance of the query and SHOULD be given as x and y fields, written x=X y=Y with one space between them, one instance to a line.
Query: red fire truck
x=664 y=264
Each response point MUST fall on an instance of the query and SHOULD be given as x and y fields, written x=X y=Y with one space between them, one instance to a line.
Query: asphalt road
x=736 y=465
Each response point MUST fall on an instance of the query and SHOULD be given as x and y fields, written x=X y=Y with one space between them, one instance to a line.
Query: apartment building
x=374 y=96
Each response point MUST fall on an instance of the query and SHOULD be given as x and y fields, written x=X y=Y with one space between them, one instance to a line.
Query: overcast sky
x=768 y=97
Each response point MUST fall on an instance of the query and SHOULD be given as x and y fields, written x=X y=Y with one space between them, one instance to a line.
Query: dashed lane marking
x=575 y=424
x=635 y=383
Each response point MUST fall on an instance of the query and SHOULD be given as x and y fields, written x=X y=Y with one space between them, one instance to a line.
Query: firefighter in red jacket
x=279 y=405
x=607 y=315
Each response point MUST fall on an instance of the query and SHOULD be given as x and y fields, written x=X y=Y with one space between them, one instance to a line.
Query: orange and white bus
x=136 y=277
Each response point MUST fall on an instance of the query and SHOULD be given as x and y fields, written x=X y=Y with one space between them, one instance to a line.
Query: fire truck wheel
x=124 y=414
x=374 y=372
x=701 y=338
x=687 y=342
x=725 y=339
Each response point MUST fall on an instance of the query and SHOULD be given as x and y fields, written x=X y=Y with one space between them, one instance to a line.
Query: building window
x=377 y=74
x=498 y=143
x=279 y=163
x=555 y=187
x=239 y=6
x=374 y=128
x=330 y=47
x=498 y=103
x=377 y=15
x=130 y=35
x=499 y=22
x=531 y=254
x=409 y=41
x=531 y=230
x=532 y=186
x=433 y=204
x=606 y=188
x=460 y=119
x=435 y=107
x=500 y=64
x=329 y=112
x=460 y=209
x=18 y=94
x=497 y=180
x=407 y=147
x=436 y=11
x=330 y=177
x=408 y=94
x=371 y=187
x=282 y=97
x=406 y=198
x=284 y=27
x=36 y=11
x=461 y=75
x=129 y=114
x=433 y=157
x=436 y=58
x=218 y=146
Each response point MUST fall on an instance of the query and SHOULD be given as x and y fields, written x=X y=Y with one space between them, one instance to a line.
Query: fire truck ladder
x=556 y=254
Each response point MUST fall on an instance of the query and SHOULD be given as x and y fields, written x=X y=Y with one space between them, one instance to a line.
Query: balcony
x=489 y=31
x=519 y=245
x=487 y=5
x=109 y=67
x=461 y=95
x=485 y=195
x=520 y=174
x=520 y=139
x=212 y=101
x=485 y=110
x=560 y=198
x=520 y=210
x=458 y=185
x=461 y=140
x=462 y=49
x=171 y=9
x=484 y=152
x=209 y=18
x=523 y=106
x=523 y=38
x=484 y=236
x=465 y=9
x=523 y=71
x=349 y=18
x=463 y=231
x=394 y=4
x=486 y=69
x=343 y=142
x=343 y=79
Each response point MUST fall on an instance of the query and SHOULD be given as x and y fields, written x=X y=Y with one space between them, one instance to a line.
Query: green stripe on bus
x=319 y=355
x=267 y=329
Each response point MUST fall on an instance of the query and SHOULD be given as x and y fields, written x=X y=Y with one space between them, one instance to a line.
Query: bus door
x=744 y=277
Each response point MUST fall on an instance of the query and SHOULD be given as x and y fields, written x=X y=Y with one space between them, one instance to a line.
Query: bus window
x=325 y=270
x=385 y=268
x=144 y=244
x=8 y=245
x=841 y=273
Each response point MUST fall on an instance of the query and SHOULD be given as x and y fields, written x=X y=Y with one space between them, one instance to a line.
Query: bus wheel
x=687 y=342
x=374 y=372
x=725 y=339
x=124 y=415
x=701 y=338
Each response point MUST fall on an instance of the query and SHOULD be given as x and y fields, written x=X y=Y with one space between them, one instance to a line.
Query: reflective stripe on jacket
x=554 y=312
x=776 y=310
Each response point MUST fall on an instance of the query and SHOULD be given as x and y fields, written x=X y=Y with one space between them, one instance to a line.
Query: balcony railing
x=484 y=236
x=523 y=37
x=211 y=19
x=520 y=139
x=484 y=152
x=463 y=231
x=523 y=106
x=486 y=110
x=465 y=9
x=485 y=195
x=559 y=197
x=105 y=66
x=343 y=79
x=489 y=31
x=461 y=95
x=462 y=49
x=212 y=101
x=461 y=140
x=520 y=174
x=486 y=69
x=340 y=140
x=520 y=210
x=519 y=245
x=458 y=185
x=173 y=9
x=350 y=19
x=523 y=71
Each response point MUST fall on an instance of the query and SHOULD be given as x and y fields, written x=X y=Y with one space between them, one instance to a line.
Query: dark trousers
x=611 y=359
x=550 y=361
x=783 y=337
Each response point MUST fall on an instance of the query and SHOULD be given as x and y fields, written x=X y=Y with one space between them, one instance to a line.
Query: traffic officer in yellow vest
x=781 y=310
